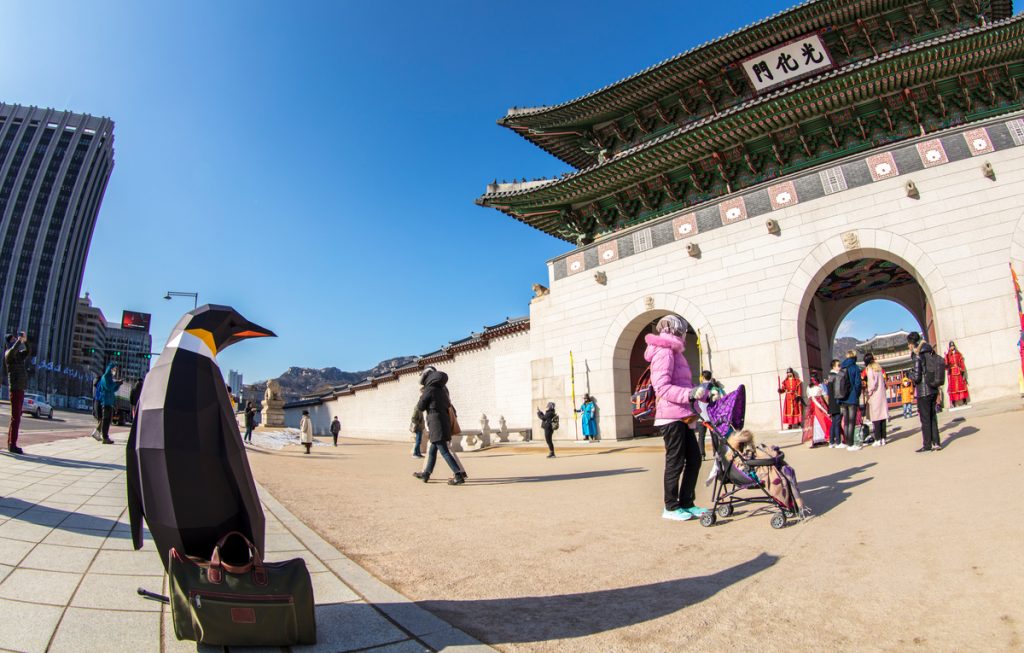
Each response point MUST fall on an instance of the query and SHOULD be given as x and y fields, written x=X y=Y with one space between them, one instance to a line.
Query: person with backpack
x=674 y=415
x=928 y=374
x=549 y=422
x=835 y=433
x=848 y=394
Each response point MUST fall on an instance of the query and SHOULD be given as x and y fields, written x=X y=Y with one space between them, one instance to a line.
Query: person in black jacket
x=250 y=421
x=547 y=419
x=15 y=355
x=434 y=400
x=926 y=393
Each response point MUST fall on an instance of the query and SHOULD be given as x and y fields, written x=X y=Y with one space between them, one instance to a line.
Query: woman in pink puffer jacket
x=674 y=414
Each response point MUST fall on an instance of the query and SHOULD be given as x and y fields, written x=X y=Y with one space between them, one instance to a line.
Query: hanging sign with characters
x=787 y=63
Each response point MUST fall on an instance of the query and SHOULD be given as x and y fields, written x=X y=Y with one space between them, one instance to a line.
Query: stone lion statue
x=273 y=392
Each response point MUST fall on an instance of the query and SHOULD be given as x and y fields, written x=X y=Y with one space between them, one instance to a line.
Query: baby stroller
x=740 y=480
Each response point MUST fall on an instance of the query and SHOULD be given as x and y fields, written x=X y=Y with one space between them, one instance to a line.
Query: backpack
x=643 y=398
x=843 y=385
x=934 y=370
x=554 y=422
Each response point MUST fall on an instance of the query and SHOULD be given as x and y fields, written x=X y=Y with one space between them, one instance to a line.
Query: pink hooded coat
x=670 y=376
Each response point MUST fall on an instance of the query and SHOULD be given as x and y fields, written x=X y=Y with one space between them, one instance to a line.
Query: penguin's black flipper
x=134 y=483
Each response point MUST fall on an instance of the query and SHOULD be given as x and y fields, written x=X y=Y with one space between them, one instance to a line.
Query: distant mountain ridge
x=301 y=381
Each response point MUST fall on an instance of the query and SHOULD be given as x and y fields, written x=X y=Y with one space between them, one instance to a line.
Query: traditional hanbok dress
x=819 y=423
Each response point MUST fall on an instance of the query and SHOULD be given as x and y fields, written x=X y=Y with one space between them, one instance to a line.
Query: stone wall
x=493 y=380
x=749 y=290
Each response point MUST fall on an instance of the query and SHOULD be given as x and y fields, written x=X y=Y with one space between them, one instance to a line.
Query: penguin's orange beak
x=251 y=330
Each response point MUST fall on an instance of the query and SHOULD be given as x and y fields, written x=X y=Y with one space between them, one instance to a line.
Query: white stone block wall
x=493 y=380
x=746 y=292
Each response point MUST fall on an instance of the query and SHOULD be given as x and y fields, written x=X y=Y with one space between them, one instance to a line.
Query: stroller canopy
x=729 y=410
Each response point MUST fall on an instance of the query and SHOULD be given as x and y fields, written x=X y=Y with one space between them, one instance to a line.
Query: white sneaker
x=676 y=515
x=855 y=447
x=831 y=446
x=840 y=446
x=876 y=443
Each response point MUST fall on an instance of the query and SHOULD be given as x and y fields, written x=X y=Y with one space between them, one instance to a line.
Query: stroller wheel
x=725 y=510
x=779 y=520
x=707 y=519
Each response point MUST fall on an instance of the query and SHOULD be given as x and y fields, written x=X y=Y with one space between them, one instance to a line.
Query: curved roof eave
x=1000 y=9
x=497 y=198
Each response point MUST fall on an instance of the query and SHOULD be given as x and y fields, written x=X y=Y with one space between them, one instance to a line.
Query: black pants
x=108 y=414
x=878 y=430
x=929 y=421
x=682 y=457
x=849 y=422
x=548 y=434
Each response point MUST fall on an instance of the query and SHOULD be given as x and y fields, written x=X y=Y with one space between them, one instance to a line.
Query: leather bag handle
x=215 y=572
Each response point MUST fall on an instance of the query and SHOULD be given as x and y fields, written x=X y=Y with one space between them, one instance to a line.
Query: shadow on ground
x=69 y=520
x=542 y=618
x=556 y=477
x=824 y=493
x=50 y=461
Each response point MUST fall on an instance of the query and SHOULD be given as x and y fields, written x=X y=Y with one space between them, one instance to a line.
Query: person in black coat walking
x=250 y=421
x=547 y=422
x=435 y=401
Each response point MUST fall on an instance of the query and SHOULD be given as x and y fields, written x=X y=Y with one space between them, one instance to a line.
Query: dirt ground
x=906 y=552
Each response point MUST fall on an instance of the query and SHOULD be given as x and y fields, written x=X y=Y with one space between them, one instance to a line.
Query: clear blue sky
x=314 y=164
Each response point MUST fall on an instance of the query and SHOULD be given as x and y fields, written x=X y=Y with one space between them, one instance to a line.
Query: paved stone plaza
x=906 y=551
x=68 y=574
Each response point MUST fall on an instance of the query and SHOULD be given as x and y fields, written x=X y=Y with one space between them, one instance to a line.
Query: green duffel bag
x=255 y=604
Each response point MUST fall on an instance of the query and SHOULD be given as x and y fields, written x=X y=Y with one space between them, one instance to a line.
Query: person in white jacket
x=306 y=431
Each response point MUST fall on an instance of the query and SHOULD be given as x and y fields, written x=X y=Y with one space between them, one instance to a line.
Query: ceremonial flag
x=1020 y=314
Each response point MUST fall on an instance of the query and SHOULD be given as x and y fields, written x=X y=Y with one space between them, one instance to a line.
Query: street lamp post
x=193 y=295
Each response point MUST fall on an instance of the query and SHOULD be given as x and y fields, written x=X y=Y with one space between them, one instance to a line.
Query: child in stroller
x=744 y=472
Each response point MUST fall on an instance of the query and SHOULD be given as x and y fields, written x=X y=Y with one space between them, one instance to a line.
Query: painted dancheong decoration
x=187 y=472
x=817 y=83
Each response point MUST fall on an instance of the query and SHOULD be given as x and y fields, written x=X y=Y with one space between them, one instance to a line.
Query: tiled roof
x=646 y=86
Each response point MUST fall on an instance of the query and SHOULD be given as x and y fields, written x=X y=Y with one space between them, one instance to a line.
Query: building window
x=833 y=180
x=642 y=241
x=1017 y=130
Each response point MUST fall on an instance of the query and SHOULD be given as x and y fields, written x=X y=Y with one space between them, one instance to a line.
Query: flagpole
x=572 y=383
x=700 y=357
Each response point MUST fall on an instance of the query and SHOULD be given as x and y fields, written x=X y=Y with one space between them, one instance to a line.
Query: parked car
x=36 y=406
x=82 y=403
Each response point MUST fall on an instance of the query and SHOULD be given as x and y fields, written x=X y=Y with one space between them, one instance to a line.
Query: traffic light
x=147 y=356
x=117 y=353
x=92 y=350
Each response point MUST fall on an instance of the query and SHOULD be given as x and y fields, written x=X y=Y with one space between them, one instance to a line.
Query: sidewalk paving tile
x=328 y=588
x=408 y=646
x=19 y=530
x=13 y=552
x=126 y=563
x=27 y=626
x=4 y=571
x=351 y=626
x=454 y=639
x=281 y=542
x=79 y=520
x=43 y=516
x=50 y=587
x=83 y=537
x=99 y=630
x=51 y=557
x=117 y=592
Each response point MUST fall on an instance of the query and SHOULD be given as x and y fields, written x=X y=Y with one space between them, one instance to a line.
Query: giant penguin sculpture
x=186 y=466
